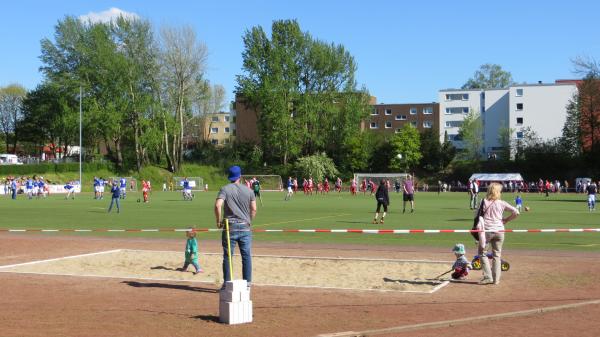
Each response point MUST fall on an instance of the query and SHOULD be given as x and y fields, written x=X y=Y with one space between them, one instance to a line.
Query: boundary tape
x=452 y=323
x=315 y=230
x=132 y=277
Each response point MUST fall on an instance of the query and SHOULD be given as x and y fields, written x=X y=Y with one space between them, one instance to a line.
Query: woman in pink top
x=493 y=211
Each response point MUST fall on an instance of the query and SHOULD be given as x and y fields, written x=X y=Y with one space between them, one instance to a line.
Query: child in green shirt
x=191 y=252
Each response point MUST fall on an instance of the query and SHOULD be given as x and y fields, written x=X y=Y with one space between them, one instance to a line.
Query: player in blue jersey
x=96 y=188
x=70 y=188
x=42 y=187
x=101 y=183
x=29 y=188
x=123 y=186
x=187 y=189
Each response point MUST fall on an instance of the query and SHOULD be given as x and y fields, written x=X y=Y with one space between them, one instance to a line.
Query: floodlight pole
x=80 y=132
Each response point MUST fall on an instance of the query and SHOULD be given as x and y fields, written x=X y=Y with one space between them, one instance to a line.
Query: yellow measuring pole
x=229 y=250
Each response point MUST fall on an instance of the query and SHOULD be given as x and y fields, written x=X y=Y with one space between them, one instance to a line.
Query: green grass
x=433 y=211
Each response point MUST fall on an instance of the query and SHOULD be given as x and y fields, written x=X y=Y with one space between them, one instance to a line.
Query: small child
x=461 y=266
x=519 y=202
x=191 y=252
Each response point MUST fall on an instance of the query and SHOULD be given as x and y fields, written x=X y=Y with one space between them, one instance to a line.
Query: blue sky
x=405 y=51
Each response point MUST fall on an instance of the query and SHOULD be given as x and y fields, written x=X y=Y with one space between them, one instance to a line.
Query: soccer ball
x=138 y=200
x=399 y=156
x=527 y=208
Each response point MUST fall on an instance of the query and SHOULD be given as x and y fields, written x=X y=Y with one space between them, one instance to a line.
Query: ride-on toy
x=476 y=262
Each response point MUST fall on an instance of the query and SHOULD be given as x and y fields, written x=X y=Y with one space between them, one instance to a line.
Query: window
x=427 y=124
x=519 y=106
x=519 y=93
x=398 y=130
x=427 y=110
x=374 y=125
x=519 y=120
x=374 y=112
x=457 y=97
x=460 y=110
x=388 y=125
x=214 y=141
x=227 y=118
x=454 y=124
x=400 y=117
x=413 y=124
x=520 y=135
x=388 y=111
x=214 y=130
x=413 y=111
x=226 y=141
x=215 y=119
x=226 y=130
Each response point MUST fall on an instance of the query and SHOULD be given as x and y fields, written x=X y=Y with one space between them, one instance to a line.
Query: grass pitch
x=433 y=211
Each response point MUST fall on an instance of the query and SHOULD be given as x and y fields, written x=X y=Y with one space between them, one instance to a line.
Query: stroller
x=476 y=262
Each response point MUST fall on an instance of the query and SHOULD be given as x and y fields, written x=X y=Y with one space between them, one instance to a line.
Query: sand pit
x=321 y=272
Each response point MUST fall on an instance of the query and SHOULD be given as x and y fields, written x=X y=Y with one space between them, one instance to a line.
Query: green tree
x=406 y=143
x=303 y=89
x=505 y=138
x=571 y=139
x=489 y=76
x=11 y=105
x=436 y=156
x=317 y=166
x=471 y=134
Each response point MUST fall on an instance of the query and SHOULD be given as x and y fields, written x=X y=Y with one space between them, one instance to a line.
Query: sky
x=405 y=50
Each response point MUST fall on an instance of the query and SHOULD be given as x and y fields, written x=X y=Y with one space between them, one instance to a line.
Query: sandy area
x=346 y=273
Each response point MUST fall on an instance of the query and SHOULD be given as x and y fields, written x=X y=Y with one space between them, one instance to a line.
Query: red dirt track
x=42 y=305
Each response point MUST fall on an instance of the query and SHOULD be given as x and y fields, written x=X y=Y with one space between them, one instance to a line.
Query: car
x=9 y=159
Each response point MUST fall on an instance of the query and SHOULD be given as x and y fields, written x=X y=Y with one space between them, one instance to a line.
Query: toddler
x=461 y=266
x=519 y=202
x=191 y=252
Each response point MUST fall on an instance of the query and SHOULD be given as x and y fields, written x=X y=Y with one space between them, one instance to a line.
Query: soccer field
x=333 y=211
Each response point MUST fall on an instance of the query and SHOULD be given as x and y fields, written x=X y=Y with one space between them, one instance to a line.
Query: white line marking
x=59 y=258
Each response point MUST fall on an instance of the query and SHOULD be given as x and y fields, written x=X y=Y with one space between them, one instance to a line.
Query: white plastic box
x=235 y=306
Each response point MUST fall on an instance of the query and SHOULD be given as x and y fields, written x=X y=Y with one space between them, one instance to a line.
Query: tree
x=489 y=76
x=505 y=138
x=11 y=104
x=471 y=133
x=571 y=140
x=303 y=90
x=435 y=155
x=317 y=166
x=183 y=63
x=406 y=143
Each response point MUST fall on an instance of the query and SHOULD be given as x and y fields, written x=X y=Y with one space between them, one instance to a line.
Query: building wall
x=246 y=126
x=390 y=118
x=543 y=108
x=495 y=116
x=455 y=104
x=219 y=128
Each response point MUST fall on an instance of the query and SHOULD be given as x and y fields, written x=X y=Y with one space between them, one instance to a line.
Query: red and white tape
x=347 y=230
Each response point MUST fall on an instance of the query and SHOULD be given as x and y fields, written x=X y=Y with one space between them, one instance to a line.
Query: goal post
x=376 y=177
x=268 y=183
x=130 y=182
x=196 y=183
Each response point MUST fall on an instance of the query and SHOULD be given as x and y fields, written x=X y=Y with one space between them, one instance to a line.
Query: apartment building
x=220 y=128
x=539 y=107
x=390 y=118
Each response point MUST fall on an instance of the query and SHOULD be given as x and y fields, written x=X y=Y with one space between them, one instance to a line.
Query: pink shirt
x=493 y=212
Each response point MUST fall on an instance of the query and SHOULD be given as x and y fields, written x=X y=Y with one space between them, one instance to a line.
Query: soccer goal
x=270 y=183
x=131 y=183
x=376 y=177
x=196 y=183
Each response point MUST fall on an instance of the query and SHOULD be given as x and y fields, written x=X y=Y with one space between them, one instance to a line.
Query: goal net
x=267 y=182
x=130 y=182
x=376 y=177
x=196 y=183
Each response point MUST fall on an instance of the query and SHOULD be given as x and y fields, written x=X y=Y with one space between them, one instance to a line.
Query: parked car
x=9 y=159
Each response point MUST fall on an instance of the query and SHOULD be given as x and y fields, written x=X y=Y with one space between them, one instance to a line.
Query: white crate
x=236 y=285
x=235 y=312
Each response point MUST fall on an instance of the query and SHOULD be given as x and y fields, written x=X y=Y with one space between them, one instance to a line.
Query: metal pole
x=80 y=132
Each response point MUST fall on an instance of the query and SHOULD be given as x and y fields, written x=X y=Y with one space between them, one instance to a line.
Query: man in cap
x=239 y=209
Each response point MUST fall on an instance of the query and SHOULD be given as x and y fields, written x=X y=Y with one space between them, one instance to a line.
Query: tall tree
x=406 y=148
x=505 y=138
x=571 y=140
x=11 y=105
x=489 y=76
x=303 y=89
x=183 y=63
x=471 y=134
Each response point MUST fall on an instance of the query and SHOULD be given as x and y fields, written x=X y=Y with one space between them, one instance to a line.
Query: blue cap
x=235 y=172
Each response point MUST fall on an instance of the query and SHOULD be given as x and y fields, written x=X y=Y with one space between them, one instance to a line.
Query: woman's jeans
x=240 y=234
x=495 y=240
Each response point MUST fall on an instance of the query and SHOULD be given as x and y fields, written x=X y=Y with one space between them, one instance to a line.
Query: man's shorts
x=408 y=197
x=97 y=189
x=290 y=189
x=592 y=198
x=257 y=193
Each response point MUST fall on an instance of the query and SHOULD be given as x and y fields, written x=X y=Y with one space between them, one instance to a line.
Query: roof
x=562 y=83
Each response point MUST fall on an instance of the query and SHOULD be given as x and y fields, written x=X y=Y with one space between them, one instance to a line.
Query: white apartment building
x=540 y=107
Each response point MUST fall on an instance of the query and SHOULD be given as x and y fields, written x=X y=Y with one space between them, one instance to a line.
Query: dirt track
x=38 y=305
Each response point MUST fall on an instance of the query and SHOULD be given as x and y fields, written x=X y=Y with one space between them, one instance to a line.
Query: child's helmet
x=459 y=248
